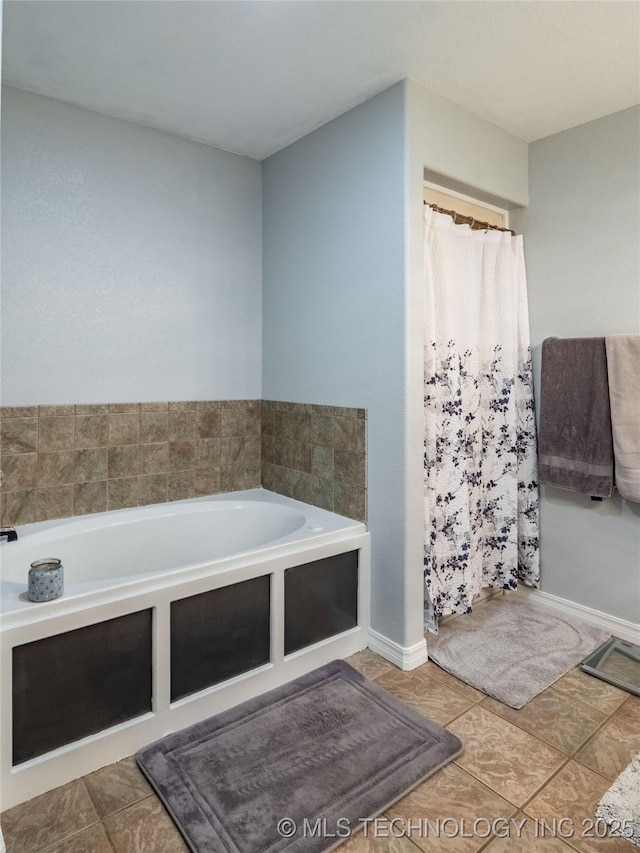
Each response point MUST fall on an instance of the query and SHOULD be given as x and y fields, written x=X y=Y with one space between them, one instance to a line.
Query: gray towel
x=623 y=362
x=575 y=445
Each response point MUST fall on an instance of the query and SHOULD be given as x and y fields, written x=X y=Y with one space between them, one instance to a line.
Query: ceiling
x=252 y=76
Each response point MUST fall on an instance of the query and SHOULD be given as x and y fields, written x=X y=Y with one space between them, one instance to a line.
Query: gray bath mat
x=620 y=806
x=328 y=746
x=512 y=650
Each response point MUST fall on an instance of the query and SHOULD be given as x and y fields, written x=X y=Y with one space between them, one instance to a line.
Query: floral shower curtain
x=480 y=487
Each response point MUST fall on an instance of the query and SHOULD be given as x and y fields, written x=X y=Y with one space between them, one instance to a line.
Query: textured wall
x=583 y=267
x=333 y=286
x=130 y=261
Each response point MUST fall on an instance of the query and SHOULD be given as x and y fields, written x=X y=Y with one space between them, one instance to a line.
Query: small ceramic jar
x=46 y=580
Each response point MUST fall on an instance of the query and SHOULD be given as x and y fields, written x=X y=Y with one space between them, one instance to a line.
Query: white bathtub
x=120 y=563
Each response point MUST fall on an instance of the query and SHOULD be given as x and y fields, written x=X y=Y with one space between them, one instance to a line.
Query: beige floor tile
x=368 y=844
x=554 y=717
x=116 y=786
x=512 y=762
x=629 y=712
x=369 y=663
x=611 y=749
x=425 y=694
x=525 y=837
x=47 y=819
x=591 y=690
x=451 y=681
x=92 y=840
x=572 y=796
x=144 y=827
x=453 y=796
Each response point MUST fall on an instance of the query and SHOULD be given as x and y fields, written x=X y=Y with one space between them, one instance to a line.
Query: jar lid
x=48 y=564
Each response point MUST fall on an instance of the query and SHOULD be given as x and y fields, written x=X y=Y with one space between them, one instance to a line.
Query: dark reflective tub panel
x=320 y=600
x=77 y=683
x=219 y=634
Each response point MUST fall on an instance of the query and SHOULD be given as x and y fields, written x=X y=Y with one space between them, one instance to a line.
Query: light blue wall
x=131 y=262
x=583 y=268
x=333 y=295
x=342 y=290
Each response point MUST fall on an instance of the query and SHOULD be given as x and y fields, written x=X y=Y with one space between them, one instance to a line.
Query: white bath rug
x=620 y=806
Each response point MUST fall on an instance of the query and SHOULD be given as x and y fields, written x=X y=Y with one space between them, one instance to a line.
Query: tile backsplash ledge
x=60 y=461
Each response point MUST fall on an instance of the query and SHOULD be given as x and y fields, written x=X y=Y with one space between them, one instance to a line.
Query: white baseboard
x=621 y=628
x=404 y=657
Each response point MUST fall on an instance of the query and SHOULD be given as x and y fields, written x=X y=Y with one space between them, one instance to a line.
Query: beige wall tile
x=55 y=502
x=233 y=420
x=232 y=477
x=252 y=449
x=268 y=421
x=182 y=425
x=55 y=411
x=153 y=489
x=18 y=412
x=322 y=463
x=154 y=458
x=90 y=497
x=234 y=444
x=123 y=493
x=124 y=408
x=154 y=427
x=124 y=428
x=300 y=426
x=55 y=469
x=252 y=475
x=208 y=422
x=322 y=493
x=207 y=481
x=91 y=431
x=19 y=471
x=93 y=409
x=91 y=464
x=350 y=434
x=154 y=407
x=182 y=455
x=124 y=461
x=207 y=452
x=19 y=435
x=322 y=430
x=269 y=476
x=55 y=433
x=350 y=500
x=231 y=450
x=181 y=485
x=350 y=466
x=302 y=487
x=18 y=507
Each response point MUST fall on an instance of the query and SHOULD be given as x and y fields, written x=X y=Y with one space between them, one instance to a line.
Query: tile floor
x=553 y=759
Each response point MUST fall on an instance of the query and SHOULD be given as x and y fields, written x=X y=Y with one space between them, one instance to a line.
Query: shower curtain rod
x=461 y=219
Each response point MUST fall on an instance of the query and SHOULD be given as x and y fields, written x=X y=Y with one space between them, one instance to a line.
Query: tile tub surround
x=316 y=454
x=60 y=461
